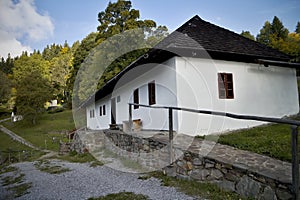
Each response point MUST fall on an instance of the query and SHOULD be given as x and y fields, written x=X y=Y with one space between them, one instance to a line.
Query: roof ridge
x=208 y=33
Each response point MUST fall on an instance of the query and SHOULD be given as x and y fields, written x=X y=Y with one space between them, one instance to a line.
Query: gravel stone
x=83 y=182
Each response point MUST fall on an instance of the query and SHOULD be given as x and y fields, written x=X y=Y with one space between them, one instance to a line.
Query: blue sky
x=32 y=24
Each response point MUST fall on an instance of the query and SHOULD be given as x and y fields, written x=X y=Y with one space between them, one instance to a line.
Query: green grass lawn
x=47 y=127
x=7 y=142
x=15 y=150
x=194 y=188
x=272 y=140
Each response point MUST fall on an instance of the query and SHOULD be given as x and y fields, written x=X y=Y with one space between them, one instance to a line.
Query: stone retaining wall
x=228 y=177
x=153 y=153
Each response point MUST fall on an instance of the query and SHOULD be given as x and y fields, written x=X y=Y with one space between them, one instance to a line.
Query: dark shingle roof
x=216 y=41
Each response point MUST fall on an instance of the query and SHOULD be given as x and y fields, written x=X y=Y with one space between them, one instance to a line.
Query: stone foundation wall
x=154 y=154
x=133 y=144
x=149 y=153
x=85 y=141
x=228 y=177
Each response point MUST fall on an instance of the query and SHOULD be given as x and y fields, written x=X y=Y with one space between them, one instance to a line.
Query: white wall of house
x=258 y=90
x=164 y=77
x=193 y=83
x=99 y=122
x=152 y=119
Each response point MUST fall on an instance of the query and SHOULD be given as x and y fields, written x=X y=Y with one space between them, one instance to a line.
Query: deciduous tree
x=33 y=91
x=25 y=65
x=248 y=35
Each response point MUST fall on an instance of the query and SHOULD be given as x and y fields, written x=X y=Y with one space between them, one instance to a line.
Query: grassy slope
x=7 y=142
x=271 y=140
x=48 y=126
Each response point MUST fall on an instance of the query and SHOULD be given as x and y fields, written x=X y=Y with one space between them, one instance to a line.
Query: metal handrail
x=226 y=114
x=294 y=133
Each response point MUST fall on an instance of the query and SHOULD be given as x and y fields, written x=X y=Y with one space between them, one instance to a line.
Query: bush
x=52 y=110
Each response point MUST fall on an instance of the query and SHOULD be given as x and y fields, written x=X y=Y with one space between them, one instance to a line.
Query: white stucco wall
x=99 y=122
x=258 y=90
x=193 y=83
x=165 y=83
x=139 y=77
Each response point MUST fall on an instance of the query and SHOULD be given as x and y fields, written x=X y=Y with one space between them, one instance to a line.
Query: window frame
x=151 y=93
x=136 y=98
x=225 y=85
x=103 y=110
x=118 y=99
x=92 y=113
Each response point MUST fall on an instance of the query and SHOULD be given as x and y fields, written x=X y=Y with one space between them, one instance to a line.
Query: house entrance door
x=113 y=111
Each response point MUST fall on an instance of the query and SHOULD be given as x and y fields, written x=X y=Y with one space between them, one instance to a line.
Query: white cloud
x=20 y=24
x=9 y=44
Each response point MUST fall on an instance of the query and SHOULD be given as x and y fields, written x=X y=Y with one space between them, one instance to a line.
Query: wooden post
x=295 y=162
x=130 y=118
x=171 y=136
x=9 y=156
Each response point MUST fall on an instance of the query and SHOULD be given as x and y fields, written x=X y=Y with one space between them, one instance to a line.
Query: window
x=225 y=84
x=92 y=113
x=118 y=99
x=104 y=111
x=136 y=98
x=151 y=93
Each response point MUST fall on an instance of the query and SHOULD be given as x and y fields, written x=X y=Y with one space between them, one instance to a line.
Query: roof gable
x=216 y=41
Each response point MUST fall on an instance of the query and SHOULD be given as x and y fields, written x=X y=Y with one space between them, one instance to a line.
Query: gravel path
x=83 y=182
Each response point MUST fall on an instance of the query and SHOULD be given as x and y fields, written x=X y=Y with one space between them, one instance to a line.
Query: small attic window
x=192 y=25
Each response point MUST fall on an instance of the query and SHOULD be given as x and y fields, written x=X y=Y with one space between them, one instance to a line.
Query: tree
x=25 y=65
x=33 y=91
x=291 y=46
x=278 y=30
x=298 y=28
x=265 y=34
x=60 y=68
x=270 y=34
x=248 y=35
x=51 y=51
x=120 y=29
x=7 y=65
x=81 y=51
x=5 y=88
x=119 y=17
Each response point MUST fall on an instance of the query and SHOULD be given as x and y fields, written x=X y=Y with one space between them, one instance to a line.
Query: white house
x=199 y=66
